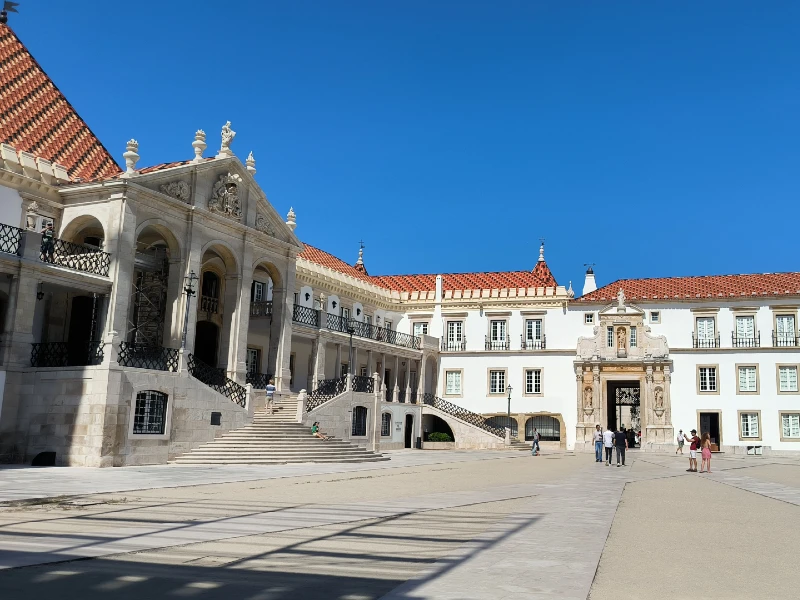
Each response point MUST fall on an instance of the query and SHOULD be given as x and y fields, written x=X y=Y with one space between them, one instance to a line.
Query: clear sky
x=652 y=138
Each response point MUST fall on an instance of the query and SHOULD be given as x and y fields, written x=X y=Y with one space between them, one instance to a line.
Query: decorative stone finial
x=251 y=163
x=541 y=252
x=131 y=157
x=360 y=262
x=570 y=291
x=227 y=139
x=199 y=145
x=291 y=219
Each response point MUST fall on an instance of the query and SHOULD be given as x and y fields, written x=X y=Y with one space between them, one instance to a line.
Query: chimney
x=589 y=284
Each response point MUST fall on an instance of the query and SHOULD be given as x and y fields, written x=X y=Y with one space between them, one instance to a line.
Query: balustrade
x=146 y=356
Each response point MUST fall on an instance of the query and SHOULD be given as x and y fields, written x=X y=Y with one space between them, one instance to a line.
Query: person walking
x=271 y=397
x=680 y=442
x=608 y=444
x=705 y=452
x=621 y=442
x=598 y=444
x=535 y=445
x=693 y=446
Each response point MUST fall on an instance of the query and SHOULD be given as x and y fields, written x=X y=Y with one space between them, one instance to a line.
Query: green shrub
x=437 y=436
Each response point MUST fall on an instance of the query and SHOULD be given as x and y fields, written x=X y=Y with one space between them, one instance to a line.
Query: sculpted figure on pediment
x=263 y=224
x=176 y=189
x=225 y=196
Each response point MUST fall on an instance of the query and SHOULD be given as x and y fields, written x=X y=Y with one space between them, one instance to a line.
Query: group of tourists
x=621 y=439
x=696 y=443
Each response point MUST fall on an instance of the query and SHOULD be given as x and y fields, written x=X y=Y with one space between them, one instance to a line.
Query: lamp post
x=189 y=291
x=508 y=389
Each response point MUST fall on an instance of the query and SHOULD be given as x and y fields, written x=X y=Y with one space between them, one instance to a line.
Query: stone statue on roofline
x=227 y=139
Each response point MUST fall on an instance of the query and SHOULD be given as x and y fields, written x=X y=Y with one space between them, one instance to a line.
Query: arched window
x=150 y=413
x=359 y=421
x=210 y=286
x=502 y=422
x=549 y=429
x=386 y=424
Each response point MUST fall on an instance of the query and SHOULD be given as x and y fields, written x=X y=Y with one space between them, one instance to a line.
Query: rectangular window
x=705 y=328
x=708 y=379
x=588 y=318
x=345 y=314
x=787 y=379
x=455 y=331
x=150 y=413
x=497 y=382
x=633 y=337
x=257 y=291
x=386 y=424
x=368 y=319
x=453 y=383
x=745 y=328
x=533 y=330
x=387 y=325
x=655 y=316
x=747 y=379
x=296 y=297
x=253 y=360
x=420 y=328
x=610 y=337
x=784 y=330
x=533 y=381
x=790 y=423
x=363 y=371
x=498 y=329
x=749 y=423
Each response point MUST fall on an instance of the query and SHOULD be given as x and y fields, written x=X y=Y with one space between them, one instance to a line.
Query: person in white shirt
x=608 y=443
x=597 y=438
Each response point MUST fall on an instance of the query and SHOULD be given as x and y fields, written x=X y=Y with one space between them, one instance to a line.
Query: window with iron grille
x=497 y=382
x=548 y=428
x=749 y=423
x=708 y=379
x=533 y=381
x=386 y=424
x=359 y=421
x=150 y=413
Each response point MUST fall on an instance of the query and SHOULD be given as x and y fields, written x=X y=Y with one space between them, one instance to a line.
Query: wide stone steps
x=271 y=441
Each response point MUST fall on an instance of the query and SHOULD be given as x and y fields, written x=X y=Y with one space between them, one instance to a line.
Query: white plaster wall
x=10 y=207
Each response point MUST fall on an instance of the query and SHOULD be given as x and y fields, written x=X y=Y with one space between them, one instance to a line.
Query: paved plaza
x=425 y=525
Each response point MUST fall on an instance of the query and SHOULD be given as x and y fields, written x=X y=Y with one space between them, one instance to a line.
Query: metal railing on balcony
x=413 y=398
x=10 y=238
x=462 y=414
x=258 y=380
x=336 y=323
x=401 y=396
x=146 y=356
x=705 y=342
x=363 y=383
x=454 y=345
x=209 y=304
x=327 y=389
x=261 y=308
x=77 y=257
x=785 y=340
x=67 y=354
x=497 y=344
x=530 y=344
x=216 y=380
x=305 y=316
x=753 y=341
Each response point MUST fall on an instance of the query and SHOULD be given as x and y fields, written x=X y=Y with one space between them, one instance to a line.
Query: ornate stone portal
x=623 y=352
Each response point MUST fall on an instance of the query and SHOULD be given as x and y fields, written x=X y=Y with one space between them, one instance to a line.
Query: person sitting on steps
x=317 y=433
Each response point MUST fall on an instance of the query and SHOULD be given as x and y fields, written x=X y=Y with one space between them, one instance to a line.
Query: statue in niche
x=587 y=397
x=659 y=396
x=621 y=341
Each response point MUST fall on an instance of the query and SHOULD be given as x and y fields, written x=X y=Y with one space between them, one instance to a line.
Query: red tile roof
x=315 y=255
x=708 y=286
x=35 y=116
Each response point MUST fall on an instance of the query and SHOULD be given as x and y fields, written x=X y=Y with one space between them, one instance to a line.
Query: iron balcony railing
x=413 y=398
x=746 y=342
x=305 y=316
x=10 y=238
x=454 y=345
x=336 y=323
x=261 y=308
x=704 y=342
x=327 y=389
x=209 y=304
x=497 y=344
x=74 y=256
x=401 y=396
x=363 y=383
x=462 y=414
x=146 y=356
x=216 y=380
x=67 y=354
x=529 y=344
x=258 y=380
x=785 y=340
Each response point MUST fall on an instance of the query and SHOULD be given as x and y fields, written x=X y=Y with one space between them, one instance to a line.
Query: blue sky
x=652 y=138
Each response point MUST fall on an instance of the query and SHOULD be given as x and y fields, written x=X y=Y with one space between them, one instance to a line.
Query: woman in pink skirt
x=705 y=446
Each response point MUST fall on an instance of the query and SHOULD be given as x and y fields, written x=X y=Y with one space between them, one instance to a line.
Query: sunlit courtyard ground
x=432 y=525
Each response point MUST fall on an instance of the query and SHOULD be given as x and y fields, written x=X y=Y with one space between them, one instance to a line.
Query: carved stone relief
x=263 y=224
x=225 y=196
x=179 y=190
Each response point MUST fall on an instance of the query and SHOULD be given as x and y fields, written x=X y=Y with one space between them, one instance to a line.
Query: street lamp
x=508 y=389
x=189 y=291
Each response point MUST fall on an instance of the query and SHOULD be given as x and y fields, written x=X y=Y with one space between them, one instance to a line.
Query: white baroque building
x=149 y=322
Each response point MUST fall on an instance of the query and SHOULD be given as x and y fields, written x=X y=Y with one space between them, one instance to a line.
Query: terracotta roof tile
x=35 y=116
x=707 y=286
x=325 y=259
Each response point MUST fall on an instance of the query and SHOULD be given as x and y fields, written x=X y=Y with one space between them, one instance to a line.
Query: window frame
x=739 y=390
x=255 y=286
x=460 y=393
x=778 y=367
x=167 y=415
x=759 y=424
x=505 y=330
x=655 y=317
x=259 y=353
x=423 y=324
x=716 y=379
x=489 y=391
x=784 y=312
x=525 y=391
x=385 y=414
x=353 y=422
x=780 y=424
x=609 y=336
x=745 y=315
x=533 y=321
x=460 y=332
x=588 y=318
x=713 y=319
x=633 y=338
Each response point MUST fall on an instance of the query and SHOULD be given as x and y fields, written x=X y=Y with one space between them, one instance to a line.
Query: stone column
x=408 y=380
x=319 y=362
x=229 y=330
x=421 y=377
x=396 y=394
x=237 y=362
x=600 y=407
x=121 y=244
x=18 y=325
x=370 y=368
x=173 y=316
x=284 y=319
x=192 y=265
x=338 y=367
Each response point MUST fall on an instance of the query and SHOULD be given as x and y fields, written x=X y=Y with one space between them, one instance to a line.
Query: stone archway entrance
x=623 y=404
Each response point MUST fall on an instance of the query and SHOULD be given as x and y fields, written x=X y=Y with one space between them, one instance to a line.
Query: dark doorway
x=623 y=405
x=81 y=331
x=205 y=342
x=709 y=422
x=409 y=432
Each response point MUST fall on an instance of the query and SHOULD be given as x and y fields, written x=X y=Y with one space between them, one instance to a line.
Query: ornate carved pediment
x=179 y=190
x=264 y=225
x=225 y=196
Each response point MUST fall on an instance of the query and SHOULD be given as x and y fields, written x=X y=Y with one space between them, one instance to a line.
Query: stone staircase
x=273 y=440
